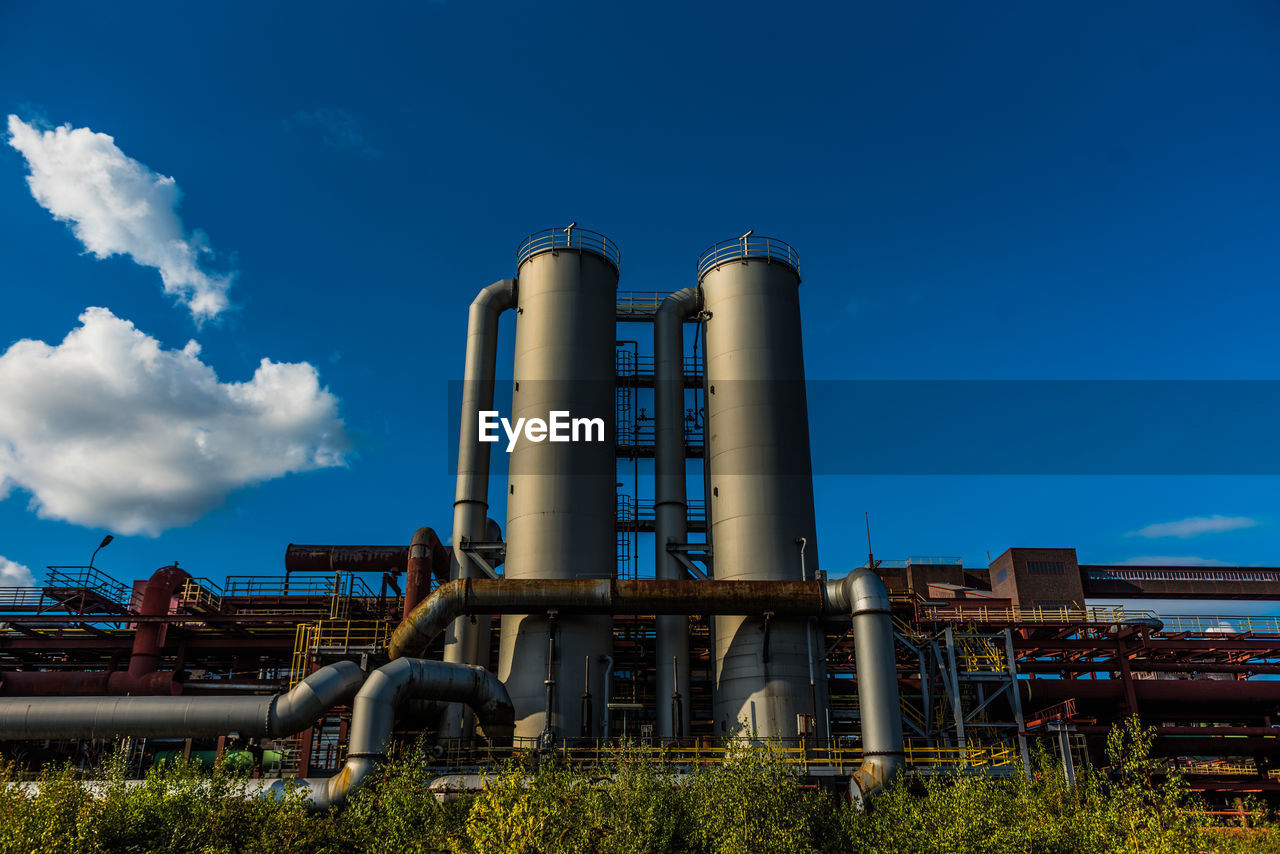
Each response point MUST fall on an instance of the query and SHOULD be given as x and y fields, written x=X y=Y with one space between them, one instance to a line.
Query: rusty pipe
x=427 y=557
x=466 y=596
x=328 y=558
x=148 y=638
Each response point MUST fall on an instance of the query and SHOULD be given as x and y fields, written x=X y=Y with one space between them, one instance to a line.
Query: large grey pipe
x=374 y=710
x=862 y=594
x=671 y=511
x=179 y=717
x=372 y=716
x=467 y=642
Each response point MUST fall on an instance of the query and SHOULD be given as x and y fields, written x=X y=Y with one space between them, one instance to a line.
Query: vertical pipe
x=424 y=551
x=863 y=595
x=467 y=642
x=608 y=681
x=149 y=637
x=671 y=513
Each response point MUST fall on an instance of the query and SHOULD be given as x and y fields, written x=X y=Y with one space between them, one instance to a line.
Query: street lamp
x=106 y=541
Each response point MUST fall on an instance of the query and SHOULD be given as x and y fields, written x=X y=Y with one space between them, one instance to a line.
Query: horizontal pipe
x=602 y=596
x=325 y=558
x=373 y=713
x=118 y=683
x=181 y=717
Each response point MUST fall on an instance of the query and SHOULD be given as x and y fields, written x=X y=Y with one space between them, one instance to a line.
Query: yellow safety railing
x=1236 y=768
x=335 y=636
x=979 y=655
x=200 y=593
x=920 y=758
x=346 y=634
x=300 y=664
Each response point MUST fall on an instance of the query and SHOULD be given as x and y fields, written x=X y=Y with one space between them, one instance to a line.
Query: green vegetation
x=752 y=803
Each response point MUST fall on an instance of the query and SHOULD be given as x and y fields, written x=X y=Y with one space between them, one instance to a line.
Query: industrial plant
x=552 y=631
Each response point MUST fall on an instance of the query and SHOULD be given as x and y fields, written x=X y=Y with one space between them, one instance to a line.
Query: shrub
x=634 y=804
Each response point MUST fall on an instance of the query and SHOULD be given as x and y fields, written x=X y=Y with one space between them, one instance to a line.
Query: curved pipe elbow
x=374 y=709
x=416 y=632
x=678 y=305
x=496 y=298
x=859 y=592
x=304 y=704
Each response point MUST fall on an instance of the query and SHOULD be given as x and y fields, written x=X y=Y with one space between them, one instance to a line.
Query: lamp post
x=106 y=541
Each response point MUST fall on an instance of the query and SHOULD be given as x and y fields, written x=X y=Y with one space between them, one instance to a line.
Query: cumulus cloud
x=1172 y=560
x=109 y=429
x=338 y=129
x=1194 y=527
x=15 y=574
x=117 y=206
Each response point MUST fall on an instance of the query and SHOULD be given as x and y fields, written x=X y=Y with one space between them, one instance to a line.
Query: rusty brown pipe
x=148 y=638
x=602 y=596
x=309 y=558
x=427 y=557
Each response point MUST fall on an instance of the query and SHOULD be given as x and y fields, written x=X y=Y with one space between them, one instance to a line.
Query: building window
x=1046 y=567
x=1002 y=576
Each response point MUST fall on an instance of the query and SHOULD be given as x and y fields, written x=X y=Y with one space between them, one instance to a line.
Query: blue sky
x=1005 y=192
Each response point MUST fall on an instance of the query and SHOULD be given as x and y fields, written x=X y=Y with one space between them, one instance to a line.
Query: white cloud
x=1172 y=560
x=1194 y=527
x=15 y=574
x=108 y=429
x=117 y=206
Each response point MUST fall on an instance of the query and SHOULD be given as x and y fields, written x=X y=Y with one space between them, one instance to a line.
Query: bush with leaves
x=634 y=804
x=396 y=811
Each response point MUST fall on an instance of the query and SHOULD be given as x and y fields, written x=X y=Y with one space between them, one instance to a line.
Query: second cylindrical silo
x=768 y=671
x=561 y=494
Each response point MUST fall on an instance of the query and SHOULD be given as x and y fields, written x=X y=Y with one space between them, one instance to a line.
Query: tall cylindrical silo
x=767 y=671
x=561 y=494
